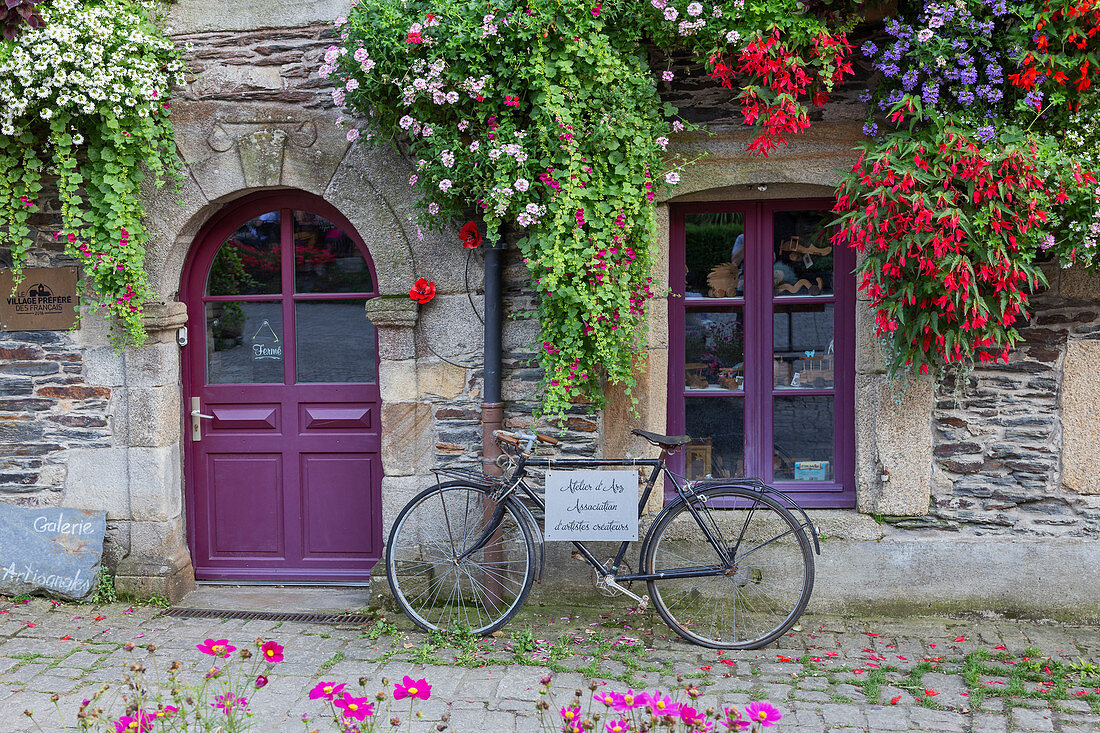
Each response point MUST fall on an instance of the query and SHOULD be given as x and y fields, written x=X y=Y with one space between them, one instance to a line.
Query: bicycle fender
x=788 y=500
x=758 y=485
x=535 y=531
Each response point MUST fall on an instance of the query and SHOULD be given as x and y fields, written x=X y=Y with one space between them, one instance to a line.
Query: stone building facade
x=981 y=498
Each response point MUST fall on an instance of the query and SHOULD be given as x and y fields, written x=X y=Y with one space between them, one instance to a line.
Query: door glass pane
x=802 y=337
x=803 y=262
x=715 y=250
x=714 y=349
x=336 y=342
x=718 y=426
x=326 y=260
x=803 y=439
x=248 y=262
x=244 y=342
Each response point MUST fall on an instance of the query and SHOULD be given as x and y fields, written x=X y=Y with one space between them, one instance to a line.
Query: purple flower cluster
x=950 y=59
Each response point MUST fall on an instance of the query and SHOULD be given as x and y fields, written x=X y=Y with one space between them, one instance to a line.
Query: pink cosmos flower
x=355 y=707
x=408 y=687
x=327 y=690
x=571 y=716
x=220 y=648
x=165 y=712
x=618 y=726
x=272 y=651
x=733 y=719
x=228 y=703
x=139 y=722
x=692 y=718
x=663 y=705
x=261 y=681
x=630 y=700
x=763 y=713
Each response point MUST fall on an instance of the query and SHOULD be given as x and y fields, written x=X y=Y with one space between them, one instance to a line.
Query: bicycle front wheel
x=459 y=559
x=745 y=589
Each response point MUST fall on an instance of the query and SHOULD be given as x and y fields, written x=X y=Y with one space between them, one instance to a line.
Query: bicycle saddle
x=664 y=441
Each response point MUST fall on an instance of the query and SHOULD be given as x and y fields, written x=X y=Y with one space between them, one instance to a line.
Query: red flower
x=422 y=291
x=470 y=236
x=510 y=101
x=414 y=38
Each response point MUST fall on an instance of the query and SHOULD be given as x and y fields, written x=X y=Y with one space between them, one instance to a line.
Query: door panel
x=246 y=503
x=284 y=482
x=339 y=500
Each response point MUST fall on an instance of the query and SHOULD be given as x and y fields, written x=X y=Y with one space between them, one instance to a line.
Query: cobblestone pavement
x=834 y=674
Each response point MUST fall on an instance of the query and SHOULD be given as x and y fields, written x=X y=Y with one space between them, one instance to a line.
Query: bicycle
x=728 y=564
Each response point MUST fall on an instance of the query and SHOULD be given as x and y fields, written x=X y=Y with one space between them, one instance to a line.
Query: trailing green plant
x=974 y=174
x=84 y=98
x=543 y=115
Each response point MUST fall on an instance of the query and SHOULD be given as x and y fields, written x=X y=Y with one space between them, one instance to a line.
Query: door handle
x=196 y=418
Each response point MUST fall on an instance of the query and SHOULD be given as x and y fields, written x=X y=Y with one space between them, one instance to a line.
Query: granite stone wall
x=999 y=441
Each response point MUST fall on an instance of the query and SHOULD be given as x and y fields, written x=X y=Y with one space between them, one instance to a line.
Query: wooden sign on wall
x=45 y=299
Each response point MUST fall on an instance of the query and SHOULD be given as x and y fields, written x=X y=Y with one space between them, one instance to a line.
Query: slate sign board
x=50 y=549
x=592 y=505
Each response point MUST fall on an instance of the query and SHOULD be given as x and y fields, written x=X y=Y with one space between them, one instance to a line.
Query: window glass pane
x=718 y=426
x=248 y=262
x=715 y=249
x=803 y=431
x=244 y=342
x=336 y=342
x=325 y=258
x=803 y=262
x=802 y=336
x=714 y=349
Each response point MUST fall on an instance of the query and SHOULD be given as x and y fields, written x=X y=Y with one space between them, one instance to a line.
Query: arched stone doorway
x=280 y=380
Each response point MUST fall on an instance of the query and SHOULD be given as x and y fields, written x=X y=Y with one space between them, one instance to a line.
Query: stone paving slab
x=831 y=674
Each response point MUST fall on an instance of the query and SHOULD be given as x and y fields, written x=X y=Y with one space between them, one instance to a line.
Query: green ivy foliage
x=83 y=98
x=544 y=115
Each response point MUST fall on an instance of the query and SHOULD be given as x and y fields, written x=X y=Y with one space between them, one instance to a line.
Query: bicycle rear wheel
x=744 y=596
x=450 y=567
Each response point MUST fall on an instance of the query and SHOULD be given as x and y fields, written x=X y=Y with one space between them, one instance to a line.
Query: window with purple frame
x=762 y=347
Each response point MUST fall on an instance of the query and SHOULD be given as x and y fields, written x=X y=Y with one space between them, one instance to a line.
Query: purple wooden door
x=281 y=396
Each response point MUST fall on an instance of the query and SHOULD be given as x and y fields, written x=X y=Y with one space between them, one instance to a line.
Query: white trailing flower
x=87 y=60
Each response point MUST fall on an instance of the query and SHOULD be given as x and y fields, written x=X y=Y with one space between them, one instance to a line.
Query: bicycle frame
x=684 y=493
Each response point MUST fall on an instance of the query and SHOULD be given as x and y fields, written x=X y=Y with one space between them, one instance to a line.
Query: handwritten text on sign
x=51 y=549
x=592 y=505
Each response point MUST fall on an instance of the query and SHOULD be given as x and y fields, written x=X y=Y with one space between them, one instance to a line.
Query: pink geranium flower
x=220 y=648
x=355 y=707
x=763 y=713
x=272 y=651
x=409 y=687
x=327 y=690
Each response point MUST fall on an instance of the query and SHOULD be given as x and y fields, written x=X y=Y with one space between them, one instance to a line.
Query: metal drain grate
x=297 y=618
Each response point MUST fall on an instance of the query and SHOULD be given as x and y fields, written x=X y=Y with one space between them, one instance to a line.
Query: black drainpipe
x=492 y=409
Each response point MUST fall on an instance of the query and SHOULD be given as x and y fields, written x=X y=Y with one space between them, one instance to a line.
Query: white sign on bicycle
x=592 y=505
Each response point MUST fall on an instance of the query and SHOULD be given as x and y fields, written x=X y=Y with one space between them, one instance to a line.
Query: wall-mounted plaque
x=45 y=299
x=592 y=505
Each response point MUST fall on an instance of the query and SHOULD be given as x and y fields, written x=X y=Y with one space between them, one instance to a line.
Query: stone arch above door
x=229 y=151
